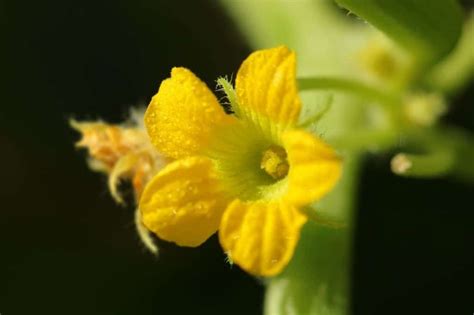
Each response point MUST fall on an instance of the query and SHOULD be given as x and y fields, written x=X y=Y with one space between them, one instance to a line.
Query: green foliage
x=429 y=29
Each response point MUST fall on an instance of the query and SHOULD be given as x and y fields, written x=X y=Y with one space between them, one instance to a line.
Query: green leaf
x=428 y=29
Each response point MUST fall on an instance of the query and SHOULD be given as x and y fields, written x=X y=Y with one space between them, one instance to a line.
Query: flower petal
x=183 y=114
x=183 y=203
x=314 y=167
x=266 y=86
x=261 y=236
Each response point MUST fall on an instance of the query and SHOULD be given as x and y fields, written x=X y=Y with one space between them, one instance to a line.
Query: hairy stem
x=317 y=281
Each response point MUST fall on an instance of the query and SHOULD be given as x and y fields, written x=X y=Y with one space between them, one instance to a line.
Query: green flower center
x=251 y=164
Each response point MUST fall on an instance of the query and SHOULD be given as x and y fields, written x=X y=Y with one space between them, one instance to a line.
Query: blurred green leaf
x=324 y=39
x=429 y=29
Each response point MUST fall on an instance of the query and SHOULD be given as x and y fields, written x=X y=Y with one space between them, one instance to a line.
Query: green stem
x=434 y=164
x=447 y=151
x=317 y=281
x=347 y=85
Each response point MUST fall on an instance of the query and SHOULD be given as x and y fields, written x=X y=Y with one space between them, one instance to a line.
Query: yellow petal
x=314 y=167
x=261 y=236
x=183 y=203
x=183 y=114
x=266 y=86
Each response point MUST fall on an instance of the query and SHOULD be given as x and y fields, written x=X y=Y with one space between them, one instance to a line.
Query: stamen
x=274 y=162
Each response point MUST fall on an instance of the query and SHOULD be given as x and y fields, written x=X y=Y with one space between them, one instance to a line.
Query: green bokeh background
x=66 y=248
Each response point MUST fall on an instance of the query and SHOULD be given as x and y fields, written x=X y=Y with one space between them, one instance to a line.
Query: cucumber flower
x=248 y=174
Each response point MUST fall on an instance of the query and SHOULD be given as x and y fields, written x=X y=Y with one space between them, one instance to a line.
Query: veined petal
x=183 y=114
x=314 y=167
x=266 y=86
x=261 y=236
x=184 y=203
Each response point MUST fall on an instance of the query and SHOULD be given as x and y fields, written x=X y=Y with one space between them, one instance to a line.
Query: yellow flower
x=247 y=175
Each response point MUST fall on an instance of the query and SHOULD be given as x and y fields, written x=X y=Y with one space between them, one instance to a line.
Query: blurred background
x=67 y=248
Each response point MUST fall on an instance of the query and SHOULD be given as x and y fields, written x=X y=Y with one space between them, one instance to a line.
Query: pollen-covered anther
x=274 y=162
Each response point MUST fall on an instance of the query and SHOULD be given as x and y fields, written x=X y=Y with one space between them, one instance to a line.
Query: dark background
x=66 y=248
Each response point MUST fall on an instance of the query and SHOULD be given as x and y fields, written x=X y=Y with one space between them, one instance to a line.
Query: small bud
x=424 y=109
x=400 y=163
x=383 y=60
x=378 y=60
